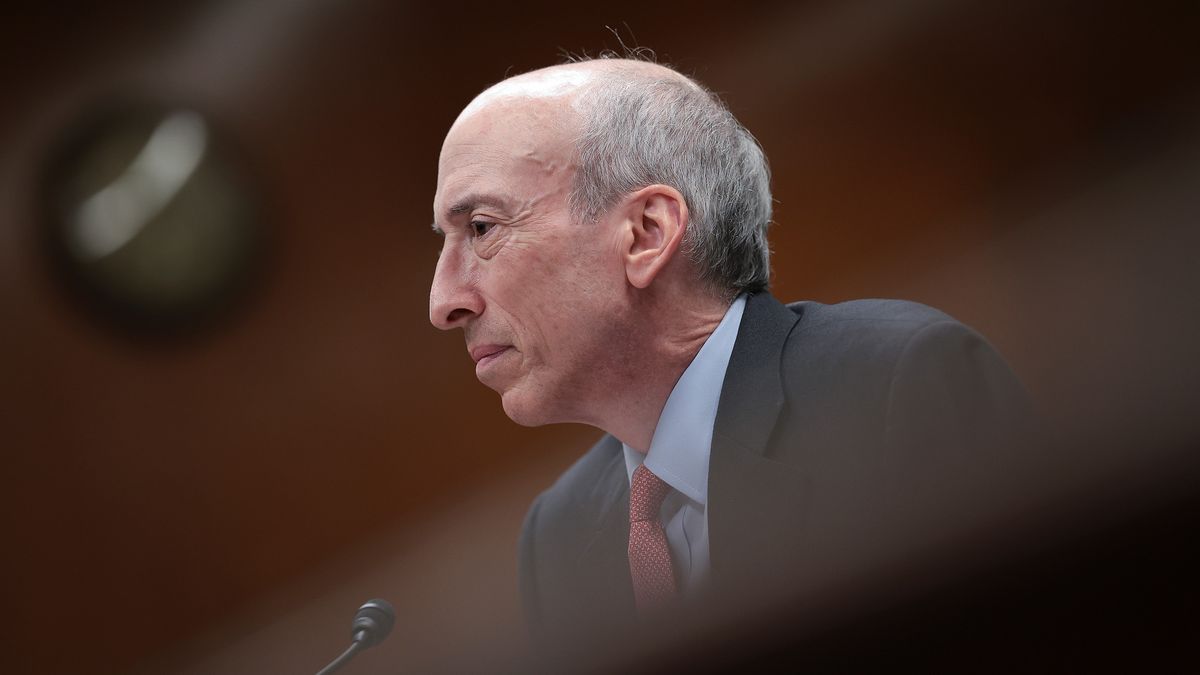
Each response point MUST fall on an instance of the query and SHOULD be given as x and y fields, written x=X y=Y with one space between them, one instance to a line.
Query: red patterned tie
x=649 y=555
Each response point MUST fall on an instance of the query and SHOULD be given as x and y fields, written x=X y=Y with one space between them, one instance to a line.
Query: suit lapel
x=603 y=562
x=747 y=490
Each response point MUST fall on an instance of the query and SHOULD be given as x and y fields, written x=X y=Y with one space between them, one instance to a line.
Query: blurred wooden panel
x=158 y=492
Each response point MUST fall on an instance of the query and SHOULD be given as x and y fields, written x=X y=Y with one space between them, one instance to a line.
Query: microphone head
x=373 y=622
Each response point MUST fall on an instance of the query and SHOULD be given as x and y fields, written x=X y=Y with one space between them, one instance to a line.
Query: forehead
x=511 y=123
x=534 y=111
x=510 y=143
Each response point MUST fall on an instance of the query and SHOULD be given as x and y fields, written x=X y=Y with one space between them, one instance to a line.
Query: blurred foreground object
x=149 y=219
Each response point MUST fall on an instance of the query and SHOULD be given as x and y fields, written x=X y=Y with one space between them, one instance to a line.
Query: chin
x=526 y=410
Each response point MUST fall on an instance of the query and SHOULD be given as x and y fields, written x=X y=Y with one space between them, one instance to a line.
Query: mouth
x=485 y=354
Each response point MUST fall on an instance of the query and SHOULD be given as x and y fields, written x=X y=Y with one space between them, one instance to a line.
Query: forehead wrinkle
x=546 y=163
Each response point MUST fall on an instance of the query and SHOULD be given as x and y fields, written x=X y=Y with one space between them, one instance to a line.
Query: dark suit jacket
x=843 y=432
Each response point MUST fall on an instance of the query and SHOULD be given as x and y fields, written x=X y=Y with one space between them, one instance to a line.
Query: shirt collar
x=682 y=439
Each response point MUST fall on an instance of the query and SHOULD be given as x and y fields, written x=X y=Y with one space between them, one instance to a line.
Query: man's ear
x=656 y=218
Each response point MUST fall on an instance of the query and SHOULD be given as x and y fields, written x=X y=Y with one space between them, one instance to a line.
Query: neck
x=669 y=336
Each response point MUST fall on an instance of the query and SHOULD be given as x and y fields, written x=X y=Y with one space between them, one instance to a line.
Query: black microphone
x=372 y=623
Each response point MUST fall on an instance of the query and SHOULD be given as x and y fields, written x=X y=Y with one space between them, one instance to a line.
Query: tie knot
x=646 y=495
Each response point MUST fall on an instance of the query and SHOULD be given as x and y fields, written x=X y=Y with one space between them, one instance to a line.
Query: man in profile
x=605 y=253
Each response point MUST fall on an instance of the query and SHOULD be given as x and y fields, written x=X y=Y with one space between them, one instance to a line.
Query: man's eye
x=480 y=228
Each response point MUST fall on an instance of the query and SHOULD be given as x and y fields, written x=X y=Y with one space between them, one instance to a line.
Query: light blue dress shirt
x=681 y=446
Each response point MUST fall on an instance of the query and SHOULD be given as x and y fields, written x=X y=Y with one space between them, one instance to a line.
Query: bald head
x=561 y=87
x=556 y=83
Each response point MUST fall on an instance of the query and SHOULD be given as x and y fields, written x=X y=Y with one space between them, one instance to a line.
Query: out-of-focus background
x=210 y=473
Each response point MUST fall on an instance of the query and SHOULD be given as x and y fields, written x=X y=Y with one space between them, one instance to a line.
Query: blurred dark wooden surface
x=155 y=495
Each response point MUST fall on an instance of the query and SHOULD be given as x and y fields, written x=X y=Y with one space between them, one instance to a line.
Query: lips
x=482 y=353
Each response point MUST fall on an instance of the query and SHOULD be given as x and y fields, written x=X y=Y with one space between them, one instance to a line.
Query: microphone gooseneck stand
x=372 y=623
x=351 y=651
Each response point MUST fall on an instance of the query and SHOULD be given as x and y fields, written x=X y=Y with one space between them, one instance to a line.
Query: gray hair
x=640 y=129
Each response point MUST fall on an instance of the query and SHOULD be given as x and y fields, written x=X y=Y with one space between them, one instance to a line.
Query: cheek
x=582 y=310
x=543 y=279
x=524 y=294
x=555 y=295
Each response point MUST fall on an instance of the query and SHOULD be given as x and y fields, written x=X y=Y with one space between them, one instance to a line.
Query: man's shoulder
x=872 y=329
x=895 y=317
x=858 y=349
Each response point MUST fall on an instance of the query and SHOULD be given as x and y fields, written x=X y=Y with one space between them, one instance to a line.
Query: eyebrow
x=468 y=204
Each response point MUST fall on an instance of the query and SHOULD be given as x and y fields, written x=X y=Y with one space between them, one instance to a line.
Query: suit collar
x=747 y=490
x=752 y=395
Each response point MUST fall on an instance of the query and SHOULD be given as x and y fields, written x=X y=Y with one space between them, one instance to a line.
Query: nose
x=453 y=298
